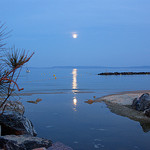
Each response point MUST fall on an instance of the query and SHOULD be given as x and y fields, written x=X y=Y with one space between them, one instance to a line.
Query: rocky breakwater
x=17 y=131
x=124 y=73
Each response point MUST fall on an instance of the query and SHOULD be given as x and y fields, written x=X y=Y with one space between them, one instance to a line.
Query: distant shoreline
x=87 y=67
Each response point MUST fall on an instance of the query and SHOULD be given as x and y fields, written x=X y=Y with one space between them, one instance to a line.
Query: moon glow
x=75 y=35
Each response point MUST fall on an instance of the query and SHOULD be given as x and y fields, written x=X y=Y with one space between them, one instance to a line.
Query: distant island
x=124 y=73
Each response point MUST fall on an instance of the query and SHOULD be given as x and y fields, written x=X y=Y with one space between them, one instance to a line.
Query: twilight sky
x=110 y=32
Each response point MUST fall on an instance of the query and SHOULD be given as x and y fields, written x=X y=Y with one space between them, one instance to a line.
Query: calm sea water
x=63 y=116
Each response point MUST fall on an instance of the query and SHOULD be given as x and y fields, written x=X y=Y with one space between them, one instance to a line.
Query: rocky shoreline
x=18 y=133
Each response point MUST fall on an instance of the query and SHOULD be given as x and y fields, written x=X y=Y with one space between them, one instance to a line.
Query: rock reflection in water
x=145 y=126
x=127 y=111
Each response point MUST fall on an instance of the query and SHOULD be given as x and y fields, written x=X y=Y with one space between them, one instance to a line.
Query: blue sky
x=110 y=32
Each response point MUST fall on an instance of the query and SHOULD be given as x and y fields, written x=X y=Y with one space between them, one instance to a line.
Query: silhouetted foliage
x=11 y=60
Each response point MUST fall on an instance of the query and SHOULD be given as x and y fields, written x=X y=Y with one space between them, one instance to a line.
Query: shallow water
x=62 y=115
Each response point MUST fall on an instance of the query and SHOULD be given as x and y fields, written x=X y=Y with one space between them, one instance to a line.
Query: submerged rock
x=16 y=124
x=142 y=104
x=59 y=146
x=23 y=142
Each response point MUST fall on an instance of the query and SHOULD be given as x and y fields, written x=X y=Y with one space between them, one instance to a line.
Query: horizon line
x=77 y=66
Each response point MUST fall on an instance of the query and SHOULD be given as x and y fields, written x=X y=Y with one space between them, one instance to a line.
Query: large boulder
x=16 y=124
x=23 y=142
x=142 y=104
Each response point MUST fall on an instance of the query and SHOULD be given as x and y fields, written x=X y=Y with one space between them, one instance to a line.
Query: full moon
x=74 y=35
